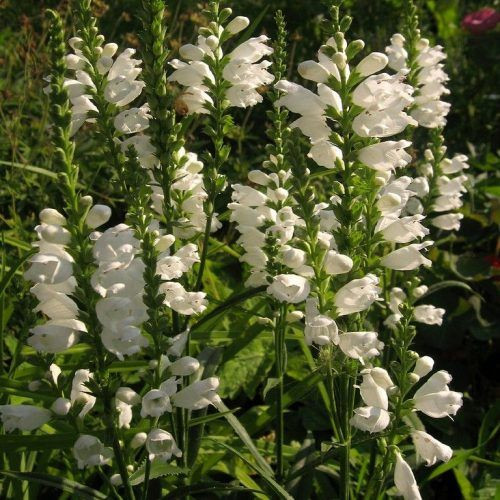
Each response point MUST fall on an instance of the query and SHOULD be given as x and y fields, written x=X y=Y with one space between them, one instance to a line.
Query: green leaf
x=10 y=274
x=77 y=489
x=206 y=487
x=464 y=484
x=270 y=384
x=265 y=476
x=16 y=388
x=458 y=458
x=158 y=469
x=437 y=287
x=193 y=422
x=243 y=435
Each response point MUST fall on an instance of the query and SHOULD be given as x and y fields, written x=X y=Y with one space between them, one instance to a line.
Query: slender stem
x=280 y=353
x=147 y=472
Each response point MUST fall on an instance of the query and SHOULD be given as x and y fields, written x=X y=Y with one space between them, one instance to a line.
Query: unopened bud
x=61 y=406
x=237 y=24
x=34 y=385
x=115 y=480
x=52 y=216
x=138 y=440
x=98 y=215
x=294 y=316
x=86 y=201
x=164 y=242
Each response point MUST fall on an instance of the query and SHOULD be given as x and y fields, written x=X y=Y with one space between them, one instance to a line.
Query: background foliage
x=467 y=343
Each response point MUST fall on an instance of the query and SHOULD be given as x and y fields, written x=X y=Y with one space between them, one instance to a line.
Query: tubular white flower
x=370 y=419
x=430 y=449
x=447 y=222
x=385 y=156
x=405 y=480
x=90 y=452
x=357 y=295
x=23 y=417
x=56 y=335
x=161 y=445
x=197 y=395
x=360 y=345
x=80 y=393
x=428 y=314
x=402 y=230
x=435 y=399
x=407 y=258
x=289 y=288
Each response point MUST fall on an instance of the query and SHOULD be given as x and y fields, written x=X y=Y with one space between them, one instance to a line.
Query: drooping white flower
x=89 y=451
x=435 y=399
x=56 y=335
x=407 y=258
x=405 y=480
x=197 y=395
x=428 y=314
x=357 y=295
x=161 y=445
x=289 y=288
x=385 y=156
x=158 y=401
x=430 y=449
x=360 y=345
x=23 y=417
x=402 y=230
x=335 y=263
x=80 y=394
x=447 y=222
x=370 y=419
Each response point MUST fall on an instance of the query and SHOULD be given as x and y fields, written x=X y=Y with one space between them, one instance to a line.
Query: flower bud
x=336 y=263
x=264 y=321
x=294 y=316
x=86 y=201
x=420 y=291
x=372 y=63
x=259 y=177
x=340 y=60
x=98 y=215
x=153 y=364
x=61 y=406
x=115 y=480
x=138 y=440
x=34 y=385
x=413 y=378
x=164 y=242
x=423 y=366
x=185 y=366
x=213 y=42
x=354 y=48
x=237 y=24
x=52 y=216
x=130 y=468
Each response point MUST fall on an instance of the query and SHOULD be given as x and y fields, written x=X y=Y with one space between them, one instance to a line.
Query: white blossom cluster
x=242 y=71
x=122 y=86
x=429 y=110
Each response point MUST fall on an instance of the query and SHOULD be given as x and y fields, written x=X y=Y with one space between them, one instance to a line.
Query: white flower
x=407 y=258
x=457 y=164
x=90 y=452
x=402 y=230
x=52 y=216
x=239 y=23
x=383 y=123
x=320 y=329
x=157 y=401
x=133 y=120
x=183 y=367
x=289 y=288
x=357 y=295
x=53 y=233
x=428 y=314
x=373 y=389
x=405 y=480
x=198 y=395
x=430 y=449
x=55 y=305
x=50 y=268
x=161 y=445
x=138 y=440
x=325 y=154
x=97 y=216
x=370 y=419
x=80 y=393
x=423 y=366
x=372 y=63
x=420 y=186
x=396 y=52
x=385 y=156
x=335 y=263
x=435 y=399
x=248 y=196
x=447 y=222
x=56 y=335
x=23 y=417
x=360 y=345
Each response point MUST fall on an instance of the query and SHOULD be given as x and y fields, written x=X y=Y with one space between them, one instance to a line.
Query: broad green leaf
x=158 y=469
x=458 y=458
x=77 y=489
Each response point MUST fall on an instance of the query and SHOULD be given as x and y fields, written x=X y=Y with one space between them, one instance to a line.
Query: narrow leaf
x=158 y=469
